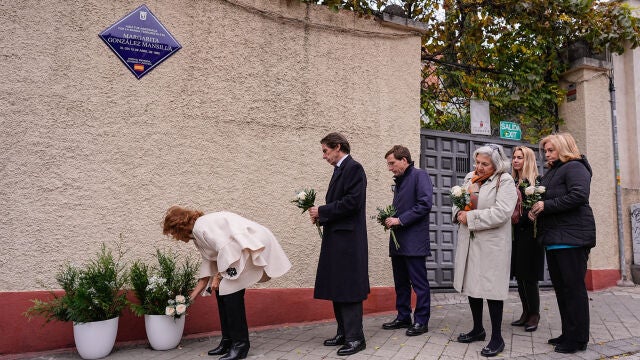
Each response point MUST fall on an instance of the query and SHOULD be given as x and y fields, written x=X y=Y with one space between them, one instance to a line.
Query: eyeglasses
x=493 y=147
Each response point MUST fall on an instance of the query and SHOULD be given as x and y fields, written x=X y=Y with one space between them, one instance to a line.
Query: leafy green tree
x=509 y=52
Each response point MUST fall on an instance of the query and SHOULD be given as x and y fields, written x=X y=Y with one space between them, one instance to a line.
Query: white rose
x=541 y=189
x=456 y=191
x=170 y=311
x=180 y=309
x=530 y=190
x=302 y=195
x=180 y=299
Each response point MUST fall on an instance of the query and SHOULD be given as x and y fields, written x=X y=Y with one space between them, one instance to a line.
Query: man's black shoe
x=556 y=340
x=396 y=324
x=570 y=348
x=336 y=340
x=417 y=329
x=352 y=347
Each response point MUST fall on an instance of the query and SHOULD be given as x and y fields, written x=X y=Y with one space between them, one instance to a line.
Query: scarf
x=474 y=188
x=477 y=178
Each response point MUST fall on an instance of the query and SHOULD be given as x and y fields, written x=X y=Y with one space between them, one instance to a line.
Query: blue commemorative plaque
x=140 y=41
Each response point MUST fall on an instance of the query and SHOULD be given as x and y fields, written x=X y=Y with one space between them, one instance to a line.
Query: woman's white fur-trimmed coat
x=482 y=262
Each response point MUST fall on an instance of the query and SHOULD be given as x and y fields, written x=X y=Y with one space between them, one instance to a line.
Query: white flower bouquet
x=176 y=307
x=383 y=214
x=532 y=194
x=460 y=198
x=304 y=200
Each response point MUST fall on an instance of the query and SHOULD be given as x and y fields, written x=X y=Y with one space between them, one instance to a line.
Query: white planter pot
x=94 y=340
x=164 y=332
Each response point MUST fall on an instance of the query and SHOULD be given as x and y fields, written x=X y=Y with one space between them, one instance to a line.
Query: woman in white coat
x=483 y=251
x=236 y=253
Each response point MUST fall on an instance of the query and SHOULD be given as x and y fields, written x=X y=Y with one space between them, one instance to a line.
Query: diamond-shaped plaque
x=140 y=41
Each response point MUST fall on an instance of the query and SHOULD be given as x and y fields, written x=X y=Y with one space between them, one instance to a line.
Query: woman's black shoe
x=471 y=337
x=239 y=350
x=521 y=321
x=223 y=348
x=532 y=323
x=489 y=352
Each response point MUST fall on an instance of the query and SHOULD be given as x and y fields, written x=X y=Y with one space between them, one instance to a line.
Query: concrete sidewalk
x=615 y=333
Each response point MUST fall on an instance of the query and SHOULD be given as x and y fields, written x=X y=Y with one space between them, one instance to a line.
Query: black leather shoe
x=417 y=329
x=352 y=347
x=489 y=352
x=470 y=337
x=239 y=350
x=336 y=340
x=556 y=340
x=396 y=324
x=569 y=348
x=521 y=321
x=223 y=347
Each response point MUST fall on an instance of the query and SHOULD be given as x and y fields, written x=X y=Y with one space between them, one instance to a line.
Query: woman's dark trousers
x=567 y=269
x=233 y=317
x=529 y=296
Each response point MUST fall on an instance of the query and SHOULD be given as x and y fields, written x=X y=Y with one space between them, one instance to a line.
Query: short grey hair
x=496 y=153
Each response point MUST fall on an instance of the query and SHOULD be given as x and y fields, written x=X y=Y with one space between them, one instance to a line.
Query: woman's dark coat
x=343 y=268
x=527 y=256
x=567 y=218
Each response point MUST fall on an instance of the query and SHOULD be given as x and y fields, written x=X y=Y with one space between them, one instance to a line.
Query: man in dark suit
x=412 y=200
x=343 y=269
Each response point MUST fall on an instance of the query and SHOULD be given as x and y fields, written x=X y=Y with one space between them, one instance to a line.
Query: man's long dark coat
x=343 y=269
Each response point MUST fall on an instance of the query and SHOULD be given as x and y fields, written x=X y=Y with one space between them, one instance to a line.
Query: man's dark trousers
x=411 y=271
x=349 y=319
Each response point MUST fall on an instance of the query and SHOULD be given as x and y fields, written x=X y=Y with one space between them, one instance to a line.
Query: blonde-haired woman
x=567 y=230
x=527 y=256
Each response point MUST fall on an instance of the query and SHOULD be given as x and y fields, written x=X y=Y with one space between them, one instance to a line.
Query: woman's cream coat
x=243 y=251
x=482 y=263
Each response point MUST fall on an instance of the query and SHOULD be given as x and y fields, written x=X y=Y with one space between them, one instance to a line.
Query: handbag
x=517 y=211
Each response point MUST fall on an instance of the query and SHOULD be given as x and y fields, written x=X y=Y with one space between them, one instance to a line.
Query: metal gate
x=447 y=158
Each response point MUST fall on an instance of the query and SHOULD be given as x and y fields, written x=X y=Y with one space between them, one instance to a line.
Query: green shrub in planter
x=163 y=289
x=92 y=292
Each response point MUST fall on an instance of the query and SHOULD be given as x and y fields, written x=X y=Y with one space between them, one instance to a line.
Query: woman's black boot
x=239 y=350
x=223 y=347
x=523 y=319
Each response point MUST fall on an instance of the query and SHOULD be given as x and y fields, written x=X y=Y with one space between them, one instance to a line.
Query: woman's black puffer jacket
x=567 y=218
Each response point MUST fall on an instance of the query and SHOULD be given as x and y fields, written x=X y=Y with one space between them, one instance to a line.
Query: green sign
x=510 y=130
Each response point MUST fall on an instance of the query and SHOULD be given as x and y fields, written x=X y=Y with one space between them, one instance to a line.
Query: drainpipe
x=624 y=278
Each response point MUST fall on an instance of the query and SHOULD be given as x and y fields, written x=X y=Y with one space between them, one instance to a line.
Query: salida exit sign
x=510 y=130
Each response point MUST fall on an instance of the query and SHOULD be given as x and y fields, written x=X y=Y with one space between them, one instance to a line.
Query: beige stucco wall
x=588 y=119
x=232 y=121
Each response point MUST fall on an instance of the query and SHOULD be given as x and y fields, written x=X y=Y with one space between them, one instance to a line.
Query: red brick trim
x=601 y=279
x=265 y=307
